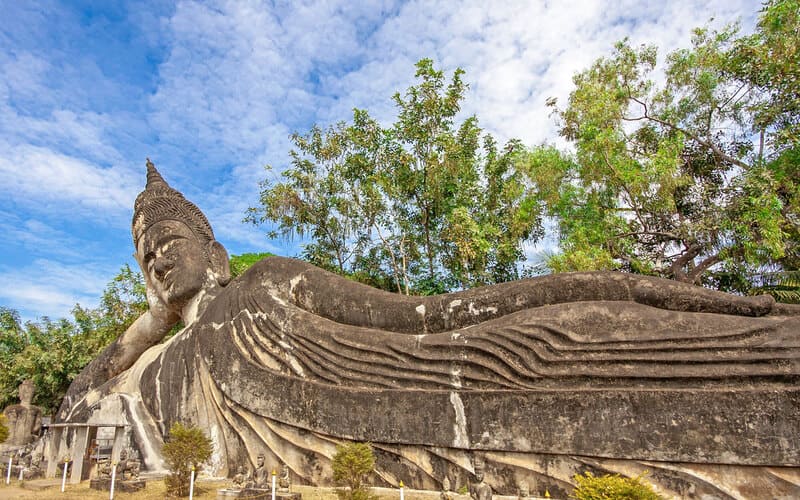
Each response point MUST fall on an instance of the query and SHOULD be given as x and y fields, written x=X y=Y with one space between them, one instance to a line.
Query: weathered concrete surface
x=541 y=378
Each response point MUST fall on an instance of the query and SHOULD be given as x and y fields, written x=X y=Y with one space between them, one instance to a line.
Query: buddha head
x=26 y=392
x=479 y=468
x=175 y=246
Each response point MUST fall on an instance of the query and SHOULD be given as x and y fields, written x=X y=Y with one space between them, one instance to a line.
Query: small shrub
x=3 y=428
x=186 y=447
x=613 y=487
x=351 y=465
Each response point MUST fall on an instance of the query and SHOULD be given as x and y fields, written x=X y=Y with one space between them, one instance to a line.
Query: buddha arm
x=145 y=332
x=360 y=305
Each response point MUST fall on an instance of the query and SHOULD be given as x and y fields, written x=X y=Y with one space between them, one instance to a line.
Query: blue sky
x=211 y=91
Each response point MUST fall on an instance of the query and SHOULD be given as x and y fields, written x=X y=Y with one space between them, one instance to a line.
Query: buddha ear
x=219 y=262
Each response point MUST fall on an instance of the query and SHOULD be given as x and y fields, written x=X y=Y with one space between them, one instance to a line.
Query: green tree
x=186 y=449
x=3 y=428
x=351 y=464
x=612 y=487
x=53 y=352
x=422 y=206
x=767 y=60
x=675 y=179
x=124 y=299
x=241 y=263
x=783 y=286
x=45 y=351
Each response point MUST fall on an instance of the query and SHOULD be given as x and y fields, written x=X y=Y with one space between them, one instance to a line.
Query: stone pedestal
x=127 y=486
x=226 y=493
x=256 y=494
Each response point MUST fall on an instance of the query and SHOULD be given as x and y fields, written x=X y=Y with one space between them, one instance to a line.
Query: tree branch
x=713 y=147
x=702 y=267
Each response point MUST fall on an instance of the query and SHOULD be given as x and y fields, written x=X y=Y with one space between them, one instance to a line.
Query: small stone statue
x=446 y=494
x=240 y=479
x=260 y=477
x=479 y=490
x=284 y=481
x=33 y=468
x=524 y=490
x=126 y=477
x=128 y=466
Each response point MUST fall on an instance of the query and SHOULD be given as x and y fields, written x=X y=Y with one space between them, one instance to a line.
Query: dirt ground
x=206 y=489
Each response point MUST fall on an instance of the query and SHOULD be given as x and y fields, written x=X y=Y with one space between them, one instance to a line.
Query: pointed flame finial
x=154 y=178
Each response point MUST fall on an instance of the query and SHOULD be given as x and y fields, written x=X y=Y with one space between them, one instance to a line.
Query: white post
x=113 y=480
x=64 y=476
x=273 y=485
x=21 y=470
x=8 y=473
x=191 y=485
x=402 y=496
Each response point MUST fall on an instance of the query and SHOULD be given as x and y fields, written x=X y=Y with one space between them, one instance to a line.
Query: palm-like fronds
x=783 y=285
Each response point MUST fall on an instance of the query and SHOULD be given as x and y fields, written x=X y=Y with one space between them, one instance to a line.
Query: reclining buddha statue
x=537 y=379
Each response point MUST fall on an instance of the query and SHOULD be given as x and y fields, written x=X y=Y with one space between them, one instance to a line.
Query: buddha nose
x=161 y=266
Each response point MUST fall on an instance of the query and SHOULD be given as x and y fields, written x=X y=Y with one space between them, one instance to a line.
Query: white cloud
x=34 y=175
x=52 y=286
x=36 y=236
x=237 y=78
x=240 y=77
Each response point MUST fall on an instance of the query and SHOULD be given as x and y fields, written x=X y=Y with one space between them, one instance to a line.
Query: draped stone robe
x=543 y=378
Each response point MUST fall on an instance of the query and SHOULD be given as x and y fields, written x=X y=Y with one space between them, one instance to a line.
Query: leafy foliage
x=3 y=428
x=423 y=206
x=767 y=60
x=612 y=487
x=679 y=178
x=783 y=286
x=351 y=465
x=241 y=263
x=123 y=300
x=53 y=352
x=186 y=448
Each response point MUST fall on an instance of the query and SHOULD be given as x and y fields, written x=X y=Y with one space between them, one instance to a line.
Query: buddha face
x=175 y=262
x=26 y=393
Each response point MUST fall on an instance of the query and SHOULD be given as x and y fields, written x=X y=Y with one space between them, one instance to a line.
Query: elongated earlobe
x=219 y=262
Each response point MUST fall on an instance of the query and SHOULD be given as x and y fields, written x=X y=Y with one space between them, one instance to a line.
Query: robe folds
x=543 y=378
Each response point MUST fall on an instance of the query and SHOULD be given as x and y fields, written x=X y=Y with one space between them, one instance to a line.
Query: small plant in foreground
x=186 y=447
x=3 y=428
x=613 y=487
x=351 y=465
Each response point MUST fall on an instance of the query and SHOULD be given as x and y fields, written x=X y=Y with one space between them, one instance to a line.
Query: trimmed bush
x=613 y=487
x=351 y=465
x=186 y=447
